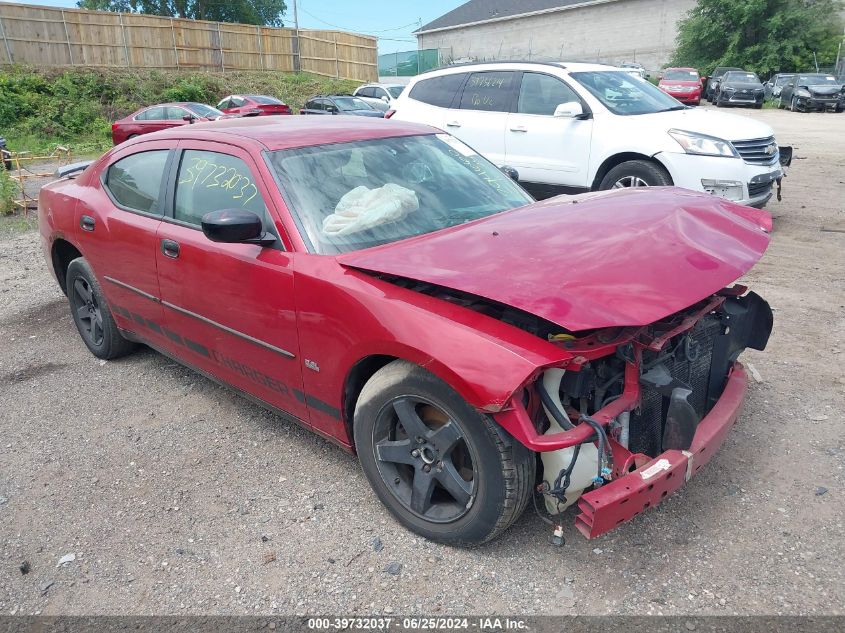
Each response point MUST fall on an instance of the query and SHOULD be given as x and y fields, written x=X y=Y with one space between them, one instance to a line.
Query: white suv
x=570 y=128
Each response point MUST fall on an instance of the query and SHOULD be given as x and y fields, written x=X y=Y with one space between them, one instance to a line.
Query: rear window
x=263 y=100
x=438 y=91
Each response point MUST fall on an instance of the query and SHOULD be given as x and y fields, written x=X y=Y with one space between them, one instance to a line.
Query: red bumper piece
x=623 y=499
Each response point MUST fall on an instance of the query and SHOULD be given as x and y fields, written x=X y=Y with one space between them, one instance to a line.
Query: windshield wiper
x=673 y=108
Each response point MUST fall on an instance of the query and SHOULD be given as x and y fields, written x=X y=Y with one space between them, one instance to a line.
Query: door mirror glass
x=332 y=109
x=510 y=172
x=232 y=226
x=190 y=118
x=569 y=110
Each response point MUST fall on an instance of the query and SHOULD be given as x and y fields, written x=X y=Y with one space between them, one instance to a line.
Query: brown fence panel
x=47 y=36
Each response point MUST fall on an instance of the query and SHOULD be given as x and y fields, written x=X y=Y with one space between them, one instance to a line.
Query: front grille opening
x=753 y=151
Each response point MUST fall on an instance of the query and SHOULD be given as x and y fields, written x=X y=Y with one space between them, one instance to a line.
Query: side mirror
x=235 y=226
x=190 y=118
x=510 y=172
x=332 y=109
x=569 y=110
x=385 y=98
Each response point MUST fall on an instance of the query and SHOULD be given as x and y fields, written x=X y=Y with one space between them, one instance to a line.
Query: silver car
x=380 y=96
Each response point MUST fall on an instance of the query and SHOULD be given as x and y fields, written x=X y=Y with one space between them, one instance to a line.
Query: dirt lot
x=176 y=496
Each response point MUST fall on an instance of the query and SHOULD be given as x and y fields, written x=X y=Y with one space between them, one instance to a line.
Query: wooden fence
x=47 y=36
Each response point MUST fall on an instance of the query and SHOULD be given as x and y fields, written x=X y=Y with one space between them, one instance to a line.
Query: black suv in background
x=740 y=87
x=714 y=79
x=339 y=104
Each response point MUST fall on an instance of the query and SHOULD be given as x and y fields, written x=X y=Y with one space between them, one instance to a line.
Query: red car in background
x=246 y=105
x=387 y=287
x=682 y=83
x=161 y=117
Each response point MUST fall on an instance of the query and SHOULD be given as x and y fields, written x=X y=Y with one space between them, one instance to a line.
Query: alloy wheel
x=88 y=312
x=630 y=181
x=424 y=459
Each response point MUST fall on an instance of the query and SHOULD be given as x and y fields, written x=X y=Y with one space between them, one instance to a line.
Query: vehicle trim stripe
x=225 y=328
x=199 y=317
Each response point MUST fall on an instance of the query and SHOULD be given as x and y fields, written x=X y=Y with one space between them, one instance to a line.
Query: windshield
x=681 y=75
x=204 y=111
x=352 y=103
x=782 y=80
x=395 y=91
x=263 y=100
x=817 y=80
x=746 y=78
x=385 y=190
x=625 y=94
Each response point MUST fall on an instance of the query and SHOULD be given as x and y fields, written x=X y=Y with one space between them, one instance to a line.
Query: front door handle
x=453 y=124
x=519 y=128
x=170 y=248
x=87 y=223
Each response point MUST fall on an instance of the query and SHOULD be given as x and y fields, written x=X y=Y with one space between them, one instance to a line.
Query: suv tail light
x=389 y=114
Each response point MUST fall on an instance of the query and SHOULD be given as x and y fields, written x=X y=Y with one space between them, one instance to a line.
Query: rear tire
x=636 y=173
x=444 y=470
x=91 y=313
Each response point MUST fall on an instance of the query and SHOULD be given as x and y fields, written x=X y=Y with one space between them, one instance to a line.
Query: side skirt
x=287 y=417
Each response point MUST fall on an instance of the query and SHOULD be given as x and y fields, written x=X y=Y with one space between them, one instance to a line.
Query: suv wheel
x=445 y=471
x=636 y=173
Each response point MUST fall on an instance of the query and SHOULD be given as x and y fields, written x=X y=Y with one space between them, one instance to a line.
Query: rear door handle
x=453 y=124
x=87 y=223
x=170 y=248
x=519 y=128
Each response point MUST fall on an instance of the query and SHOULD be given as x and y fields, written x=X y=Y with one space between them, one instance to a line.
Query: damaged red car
x=387 y=287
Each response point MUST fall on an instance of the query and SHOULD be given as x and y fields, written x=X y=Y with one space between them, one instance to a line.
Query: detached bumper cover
x=622 y=499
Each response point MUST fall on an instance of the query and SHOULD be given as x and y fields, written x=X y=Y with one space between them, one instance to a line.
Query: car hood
x=730 y=127
x=620 y=258
x=742 y=85
x=825 y=90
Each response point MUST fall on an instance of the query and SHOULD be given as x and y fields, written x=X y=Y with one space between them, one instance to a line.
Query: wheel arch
x=617 y=159
x=62 y=253
x=358 y=376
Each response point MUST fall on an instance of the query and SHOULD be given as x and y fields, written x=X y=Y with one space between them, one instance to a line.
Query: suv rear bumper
x=622 y=499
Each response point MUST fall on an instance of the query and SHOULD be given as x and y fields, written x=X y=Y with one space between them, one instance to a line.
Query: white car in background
x=572 y=127
x=380 y=96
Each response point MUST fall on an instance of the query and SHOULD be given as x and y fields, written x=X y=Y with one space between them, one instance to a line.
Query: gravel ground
x=176 y=496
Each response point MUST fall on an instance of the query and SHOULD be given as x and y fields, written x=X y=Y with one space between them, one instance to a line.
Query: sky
x=392 y=22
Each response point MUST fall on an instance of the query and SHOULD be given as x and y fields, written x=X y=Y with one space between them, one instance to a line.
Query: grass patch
x=42 y=108
x=11 y=225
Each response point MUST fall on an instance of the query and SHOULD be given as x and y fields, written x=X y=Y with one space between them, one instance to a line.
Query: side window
x=175 y=114
x=225 y=104
x=541 y=94
x=211 y=181
x=135 y=181
x=488 y=91
x=237 y=102
x=311 y=105
x=380 y=92
x=154 y=114
x=438 y=91
x=365 y=92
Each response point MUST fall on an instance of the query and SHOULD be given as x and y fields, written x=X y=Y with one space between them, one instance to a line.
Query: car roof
x=519 y=65
x=295 y=132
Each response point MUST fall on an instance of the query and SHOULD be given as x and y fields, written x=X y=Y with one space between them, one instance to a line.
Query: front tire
x=91 y=313
x=444 y=470
x=636 y=173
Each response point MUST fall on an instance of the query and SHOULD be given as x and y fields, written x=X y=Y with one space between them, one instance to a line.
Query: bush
x=42 y=108
x=8 y=192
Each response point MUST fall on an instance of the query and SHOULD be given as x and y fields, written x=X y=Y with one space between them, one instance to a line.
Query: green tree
x=264 y=12
x=761 y=35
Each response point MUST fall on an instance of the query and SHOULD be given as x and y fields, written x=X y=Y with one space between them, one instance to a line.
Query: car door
x=118 y=219
x=544 y=148
x=230 y=305
x=481 y=116
x=788 y=90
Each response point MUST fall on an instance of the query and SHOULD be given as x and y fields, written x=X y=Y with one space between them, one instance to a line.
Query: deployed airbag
x=364 y=208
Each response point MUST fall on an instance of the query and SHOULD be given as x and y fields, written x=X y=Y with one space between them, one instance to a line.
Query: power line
x=342 y=28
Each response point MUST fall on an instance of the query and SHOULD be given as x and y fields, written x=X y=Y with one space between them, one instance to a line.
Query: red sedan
x=161 y=117
x=246 y=105
x=387 y=287
x=682 y=83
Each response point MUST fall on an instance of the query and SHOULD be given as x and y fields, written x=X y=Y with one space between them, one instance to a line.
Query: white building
x=613 y=31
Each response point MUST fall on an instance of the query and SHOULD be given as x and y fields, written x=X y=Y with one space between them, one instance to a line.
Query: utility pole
x=297 y=60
